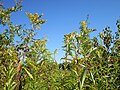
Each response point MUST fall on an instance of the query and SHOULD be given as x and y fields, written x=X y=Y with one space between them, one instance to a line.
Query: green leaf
x=92 y=78
x=75 y=72
x=83 y=76
x=11 y=79
x=29 y=74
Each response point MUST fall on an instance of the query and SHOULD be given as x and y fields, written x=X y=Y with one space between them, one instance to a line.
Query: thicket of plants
x=27 y=64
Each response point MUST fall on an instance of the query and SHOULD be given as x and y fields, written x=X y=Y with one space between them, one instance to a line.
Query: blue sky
x=63 y=17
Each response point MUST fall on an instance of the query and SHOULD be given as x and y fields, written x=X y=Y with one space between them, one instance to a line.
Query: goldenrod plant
x=27 y=64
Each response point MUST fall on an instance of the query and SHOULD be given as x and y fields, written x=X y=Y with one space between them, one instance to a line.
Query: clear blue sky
x=63 y=16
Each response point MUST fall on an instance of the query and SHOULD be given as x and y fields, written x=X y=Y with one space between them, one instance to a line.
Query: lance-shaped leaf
x=92 y=77
x=29 y=74
x=82 y=79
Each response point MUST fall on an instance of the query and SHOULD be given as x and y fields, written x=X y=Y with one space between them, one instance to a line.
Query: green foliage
x=100 y=59
x=34 y=18
x=5 y=13
x=27 y=64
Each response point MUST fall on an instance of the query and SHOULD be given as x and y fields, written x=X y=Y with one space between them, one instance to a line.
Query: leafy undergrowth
x=27 y=64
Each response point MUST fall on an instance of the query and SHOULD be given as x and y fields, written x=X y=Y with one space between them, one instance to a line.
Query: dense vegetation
x=27 y=64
